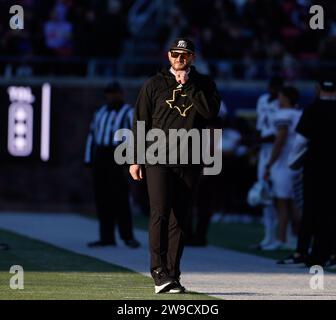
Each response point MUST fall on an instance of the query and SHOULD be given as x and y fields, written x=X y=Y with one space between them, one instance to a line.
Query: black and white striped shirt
x=103 y=126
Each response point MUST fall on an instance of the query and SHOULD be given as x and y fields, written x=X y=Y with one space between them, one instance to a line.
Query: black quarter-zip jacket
x=165 y=104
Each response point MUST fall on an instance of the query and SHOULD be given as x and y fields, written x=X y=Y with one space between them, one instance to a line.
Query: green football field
x=54 y=273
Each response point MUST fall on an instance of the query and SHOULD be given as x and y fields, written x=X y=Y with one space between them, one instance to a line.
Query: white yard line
x=212 y=270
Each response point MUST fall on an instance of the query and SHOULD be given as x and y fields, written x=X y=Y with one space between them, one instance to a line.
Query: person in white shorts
x=277 y=170
x=267 y=107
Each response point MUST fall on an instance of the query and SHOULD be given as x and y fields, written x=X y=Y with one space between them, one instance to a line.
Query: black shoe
x=293 y=259
x=314 y=261
x=101 y=244
x=177 y=287
x=4 y=246
x=163 y=282
x=132 y=243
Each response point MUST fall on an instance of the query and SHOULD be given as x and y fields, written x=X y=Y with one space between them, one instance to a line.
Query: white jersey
x=266 y=111
x=288 y=118
x=281 y=175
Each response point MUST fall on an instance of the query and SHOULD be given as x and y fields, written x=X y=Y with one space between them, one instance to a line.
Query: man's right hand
x=136 y=172
x=181 y=76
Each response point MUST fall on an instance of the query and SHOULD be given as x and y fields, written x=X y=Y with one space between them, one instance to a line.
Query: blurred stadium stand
x=240 y=39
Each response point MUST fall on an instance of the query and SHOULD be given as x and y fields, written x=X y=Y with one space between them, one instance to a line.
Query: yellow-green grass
x=54 y=273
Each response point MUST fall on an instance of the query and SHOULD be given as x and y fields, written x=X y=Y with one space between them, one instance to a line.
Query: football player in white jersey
x=267 y=107
x=277 y=169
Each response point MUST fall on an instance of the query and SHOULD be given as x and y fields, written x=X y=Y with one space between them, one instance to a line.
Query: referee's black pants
x=111 y=196
x=170 y=191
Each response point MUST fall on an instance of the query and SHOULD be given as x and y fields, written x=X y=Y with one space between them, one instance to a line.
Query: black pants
x=206 y=202
x=111 y=197
x=306 y=229
x=318 y=223
x=324 y=226
x=170 y=196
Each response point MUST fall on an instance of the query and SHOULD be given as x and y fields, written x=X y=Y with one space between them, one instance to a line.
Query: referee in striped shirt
x=110 y=179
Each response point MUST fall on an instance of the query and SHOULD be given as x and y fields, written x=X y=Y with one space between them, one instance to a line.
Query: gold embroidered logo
x=181 y=109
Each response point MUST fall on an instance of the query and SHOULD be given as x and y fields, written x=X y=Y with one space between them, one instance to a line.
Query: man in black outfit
x=109 y=178
x=319 y=217
x=178 y=97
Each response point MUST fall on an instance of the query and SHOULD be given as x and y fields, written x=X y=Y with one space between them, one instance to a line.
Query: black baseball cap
x=183 y=44
x=113 y=87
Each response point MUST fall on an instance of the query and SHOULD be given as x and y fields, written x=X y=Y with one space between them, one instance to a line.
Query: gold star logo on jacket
x=182 y=109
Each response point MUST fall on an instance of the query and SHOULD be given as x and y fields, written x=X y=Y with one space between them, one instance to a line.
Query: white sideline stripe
x=214 y=271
